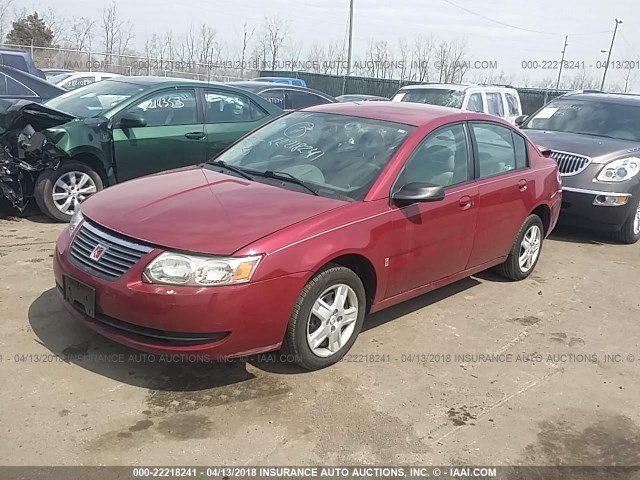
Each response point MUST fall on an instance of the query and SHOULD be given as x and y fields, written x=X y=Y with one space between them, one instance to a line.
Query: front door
x=228 y=116
x=172 y=137
x=435 y=238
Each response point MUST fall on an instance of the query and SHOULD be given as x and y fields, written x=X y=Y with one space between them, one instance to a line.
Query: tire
x=47 y=187
x=512 y=268
x=630 y=231
x=302 y=323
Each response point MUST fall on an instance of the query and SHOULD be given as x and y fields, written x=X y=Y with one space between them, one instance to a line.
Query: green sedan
x=116 y=130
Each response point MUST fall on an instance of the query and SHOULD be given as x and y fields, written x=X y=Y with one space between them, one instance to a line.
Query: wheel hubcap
x=332 y=320
x=636 y=222
x=70 y=190
x=530 y=248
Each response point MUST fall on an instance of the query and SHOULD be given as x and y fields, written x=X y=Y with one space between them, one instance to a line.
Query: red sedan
x=292 y=235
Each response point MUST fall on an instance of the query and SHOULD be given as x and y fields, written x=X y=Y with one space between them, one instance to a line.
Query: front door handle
x=194 y=135
x=522 y=185
x=466 y=202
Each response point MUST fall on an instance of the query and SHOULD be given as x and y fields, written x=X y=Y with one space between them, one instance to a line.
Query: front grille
x=570 y=163
x=119 y=256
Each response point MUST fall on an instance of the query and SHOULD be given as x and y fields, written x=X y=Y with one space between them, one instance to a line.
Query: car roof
x=42 y=87
x=360 y=95
x=22 y=53
x=627 y=98
x=460 y=87
x=280 y=78
x=416 y=114
x=144 y=80
x=256 y=87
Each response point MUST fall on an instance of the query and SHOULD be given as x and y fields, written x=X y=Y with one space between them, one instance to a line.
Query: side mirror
x=132 y=120
x=418 y=192
x=520 y=120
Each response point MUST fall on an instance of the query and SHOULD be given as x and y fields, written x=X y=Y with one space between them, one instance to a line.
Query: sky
x=589 y=24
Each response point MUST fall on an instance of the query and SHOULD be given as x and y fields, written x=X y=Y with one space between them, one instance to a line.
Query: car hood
x=601 y=150
x=199 y=210
x=16 y=116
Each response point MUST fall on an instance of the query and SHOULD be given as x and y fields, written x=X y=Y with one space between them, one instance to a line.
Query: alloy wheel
x=71 y=189
x=530 y=248
x=332 y=320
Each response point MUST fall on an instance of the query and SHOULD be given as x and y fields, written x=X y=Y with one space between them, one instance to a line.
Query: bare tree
x=277 y=31
x=206 y=44
x=246 y=38
x=81 y=33
x=377 y=62
x=111 y=27
x=5 y=5
x=56 y=24
x=406 y=61
x=423 y=51
x=629 y=79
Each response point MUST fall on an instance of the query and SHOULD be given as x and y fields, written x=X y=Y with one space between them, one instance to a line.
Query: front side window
x=441 y=159
x=589 y=117
x=475 y=103
x=494 y=104
x=339 y=156
x=496 y=150
x=222 y=107
x=172 y=107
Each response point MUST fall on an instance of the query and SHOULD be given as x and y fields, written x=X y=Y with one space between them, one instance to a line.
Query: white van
x=501 y=101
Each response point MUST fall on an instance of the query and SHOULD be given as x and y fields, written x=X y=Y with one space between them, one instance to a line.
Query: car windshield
x=337 y=156
x=432 y=96
x=96 y=98
x=55 y=79
x=588 y=117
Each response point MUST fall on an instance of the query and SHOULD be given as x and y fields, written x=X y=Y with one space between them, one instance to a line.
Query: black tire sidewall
x=47 y=179
x=322 y=281
x=627 y=234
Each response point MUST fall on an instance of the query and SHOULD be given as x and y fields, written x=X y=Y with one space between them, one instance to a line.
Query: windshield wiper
x=236 y=170
x=287 y=177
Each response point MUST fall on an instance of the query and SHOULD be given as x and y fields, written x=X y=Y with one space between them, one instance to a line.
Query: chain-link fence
x=531 y=98
x=89 y=61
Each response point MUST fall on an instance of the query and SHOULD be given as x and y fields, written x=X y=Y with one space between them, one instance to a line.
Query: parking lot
x=414 y=389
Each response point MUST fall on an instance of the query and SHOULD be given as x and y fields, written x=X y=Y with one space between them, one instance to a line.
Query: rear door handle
x=522 y=185
x=194 y=135
x=466 y=202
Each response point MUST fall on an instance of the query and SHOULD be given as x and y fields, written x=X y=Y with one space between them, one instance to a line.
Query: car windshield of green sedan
x=96 y=98
x=336 y=156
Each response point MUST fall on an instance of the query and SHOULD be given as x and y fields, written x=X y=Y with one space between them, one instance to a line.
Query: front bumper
x=211 y=322
x=584 y=208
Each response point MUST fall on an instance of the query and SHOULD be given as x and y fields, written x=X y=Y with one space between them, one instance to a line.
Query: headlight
x=76 y=219
x=178 y=269
x=620 y=170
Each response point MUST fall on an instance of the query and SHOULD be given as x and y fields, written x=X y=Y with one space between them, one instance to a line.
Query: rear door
x=505 y=189
x=228 y=116
x=173 y=136
x=435 y=238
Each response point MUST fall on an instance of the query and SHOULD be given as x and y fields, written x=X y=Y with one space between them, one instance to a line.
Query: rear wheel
x=630 y=232
x=326 y=318
x=60 y=192
x=525 y=252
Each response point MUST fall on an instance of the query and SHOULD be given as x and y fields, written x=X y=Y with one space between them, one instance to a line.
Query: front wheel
x=59 y=192
x=630 y=232
x=326 y=318
x=525 y=253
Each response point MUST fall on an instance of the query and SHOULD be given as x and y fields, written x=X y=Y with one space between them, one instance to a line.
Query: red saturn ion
x=292 y=235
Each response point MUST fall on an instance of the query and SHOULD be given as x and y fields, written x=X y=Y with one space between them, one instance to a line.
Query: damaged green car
x=77 y=144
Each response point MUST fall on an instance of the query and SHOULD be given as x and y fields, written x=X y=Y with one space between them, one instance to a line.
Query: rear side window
x=475 y=103
x=16 y=61
x=496 y=150
x=226 y=108
x=16 y=88
x=512 y=103
x=295 y=100
x=494 y=104
x=520 y=148
x=275 y=96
